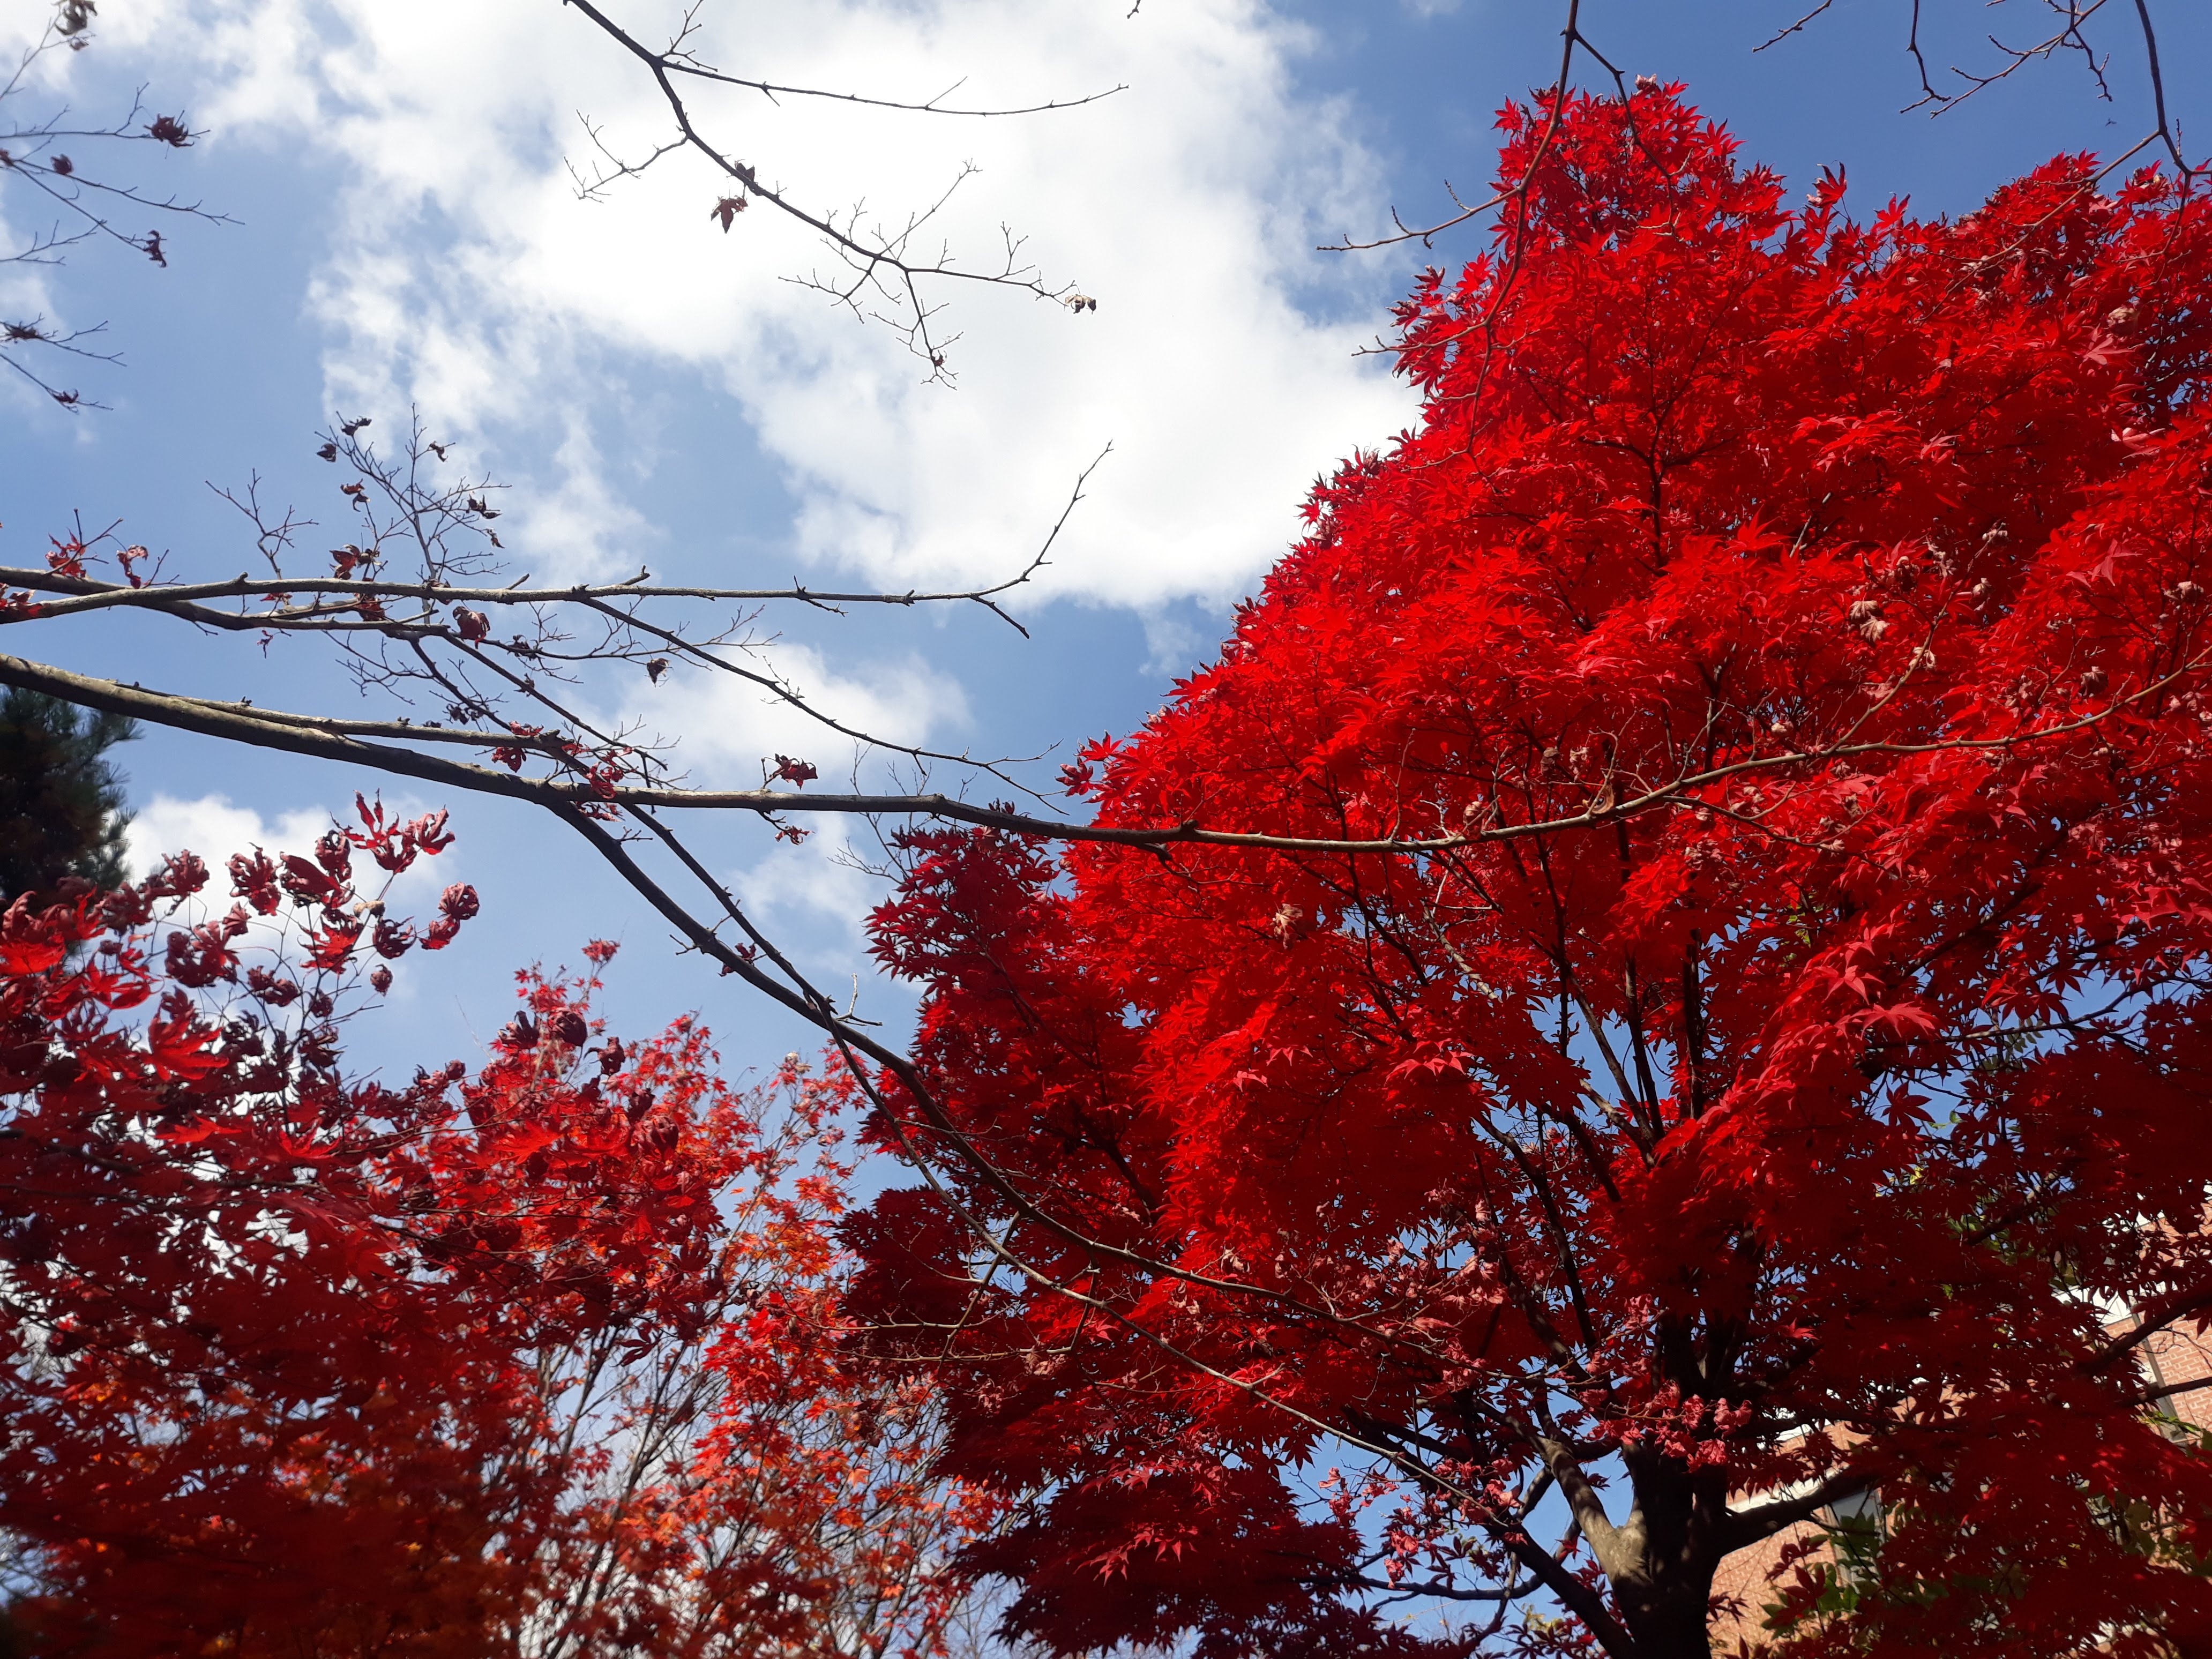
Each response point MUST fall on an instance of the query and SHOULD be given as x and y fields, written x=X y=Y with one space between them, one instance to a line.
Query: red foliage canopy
x=1551 y=1212
x=539 y=1358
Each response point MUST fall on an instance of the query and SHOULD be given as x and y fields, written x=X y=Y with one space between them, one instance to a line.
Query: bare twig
x=886 y=277
x=85 y=207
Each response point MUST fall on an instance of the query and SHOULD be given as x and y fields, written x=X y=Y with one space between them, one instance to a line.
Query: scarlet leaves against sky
x=1809 y=1124
x=540 y=1357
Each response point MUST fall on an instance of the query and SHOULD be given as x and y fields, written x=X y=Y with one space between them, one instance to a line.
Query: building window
x=1854 y=1527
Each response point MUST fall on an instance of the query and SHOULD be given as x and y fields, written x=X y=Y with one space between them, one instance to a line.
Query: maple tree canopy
x=1536 y=1216
x=541 y=1358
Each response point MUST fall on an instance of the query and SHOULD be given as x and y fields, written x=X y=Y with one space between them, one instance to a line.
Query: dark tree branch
x=1748 y=1526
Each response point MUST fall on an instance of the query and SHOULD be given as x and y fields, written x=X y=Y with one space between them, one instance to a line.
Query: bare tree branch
x=885 y=277
x=85 y=207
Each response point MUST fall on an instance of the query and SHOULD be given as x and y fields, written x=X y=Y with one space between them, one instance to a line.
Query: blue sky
x=655 y=392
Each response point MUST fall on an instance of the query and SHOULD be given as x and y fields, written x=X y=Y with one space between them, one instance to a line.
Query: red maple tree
x=1761 y=1051
x=542 y=1358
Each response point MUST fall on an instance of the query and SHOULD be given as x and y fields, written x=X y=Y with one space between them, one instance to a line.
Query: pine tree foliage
x=61 y=797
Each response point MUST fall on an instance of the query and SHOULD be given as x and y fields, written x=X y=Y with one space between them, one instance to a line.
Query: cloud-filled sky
x=459 y=270
x=657 y=391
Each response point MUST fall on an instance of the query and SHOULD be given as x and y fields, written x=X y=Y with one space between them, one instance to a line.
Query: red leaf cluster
x=542 y=1357
x=1816 y=1102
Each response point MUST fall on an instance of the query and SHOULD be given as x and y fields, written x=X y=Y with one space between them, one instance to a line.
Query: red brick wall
x=1746 y=1579
x=2182 y=1357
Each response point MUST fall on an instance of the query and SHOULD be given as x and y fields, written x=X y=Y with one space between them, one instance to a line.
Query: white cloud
x=727 y=726
x=468 y=278
x=211 y=826
x=27 y=297
x=214 y=827
x=817 y=882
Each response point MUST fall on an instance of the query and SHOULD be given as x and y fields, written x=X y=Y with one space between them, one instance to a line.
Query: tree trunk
x=1660 y=1563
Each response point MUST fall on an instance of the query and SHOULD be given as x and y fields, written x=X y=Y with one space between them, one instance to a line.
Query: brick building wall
x=1746 y=1579
x=2172 y=1357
